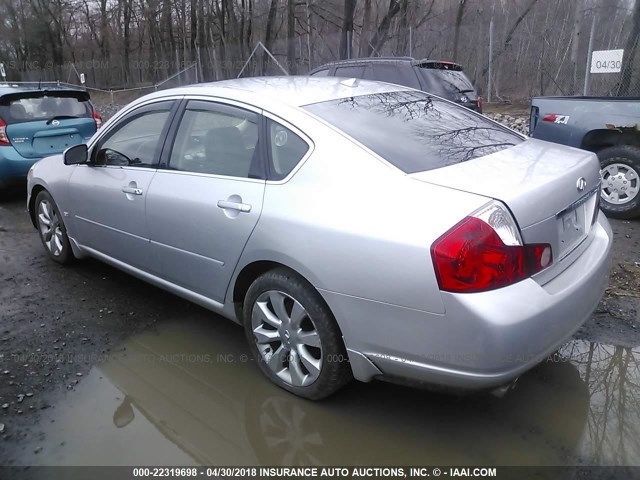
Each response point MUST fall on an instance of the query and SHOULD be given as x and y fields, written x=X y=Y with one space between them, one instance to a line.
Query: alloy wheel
x=50 y=228
x=286 y=338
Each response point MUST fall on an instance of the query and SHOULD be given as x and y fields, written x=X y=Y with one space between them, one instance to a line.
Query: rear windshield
x=40 y=106
x=451 y=83
x=415 y=131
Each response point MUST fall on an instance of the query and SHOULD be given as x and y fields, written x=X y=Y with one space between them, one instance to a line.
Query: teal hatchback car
x=38 y=121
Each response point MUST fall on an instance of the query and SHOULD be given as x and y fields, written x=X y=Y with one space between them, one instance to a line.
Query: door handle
x=238 y=207
x=132 y=190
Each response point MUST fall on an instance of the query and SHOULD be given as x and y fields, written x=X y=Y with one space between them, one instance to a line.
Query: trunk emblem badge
x=55 y=123
x=581 y=184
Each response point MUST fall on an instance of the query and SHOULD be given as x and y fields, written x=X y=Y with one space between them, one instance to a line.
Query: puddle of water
x=189 y=395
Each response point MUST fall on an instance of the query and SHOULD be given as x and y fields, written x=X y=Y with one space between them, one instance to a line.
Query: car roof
x=9 y=88
x=389 y=60
x=294 y=91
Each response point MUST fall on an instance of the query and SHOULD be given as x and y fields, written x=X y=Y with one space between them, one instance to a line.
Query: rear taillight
x=4 y=140
x=97 y=118
x=484 y=252
x=479 y=102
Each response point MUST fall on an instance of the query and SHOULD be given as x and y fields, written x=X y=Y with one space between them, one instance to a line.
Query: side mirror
x=75 y=155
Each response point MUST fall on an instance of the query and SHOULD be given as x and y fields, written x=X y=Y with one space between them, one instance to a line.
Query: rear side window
x=286 y=149
x=40 y=106
x=415 y=131
x=353 y=71
x=321 y=73
x=217 y=139
x=392 y=74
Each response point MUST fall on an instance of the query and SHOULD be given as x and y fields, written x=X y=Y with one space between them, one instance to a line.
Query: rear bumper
x=484 y=339
x=13 y=166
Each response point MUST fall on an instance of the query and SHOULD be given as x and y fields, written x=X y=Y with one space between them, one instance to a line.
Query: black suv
x=444 y=79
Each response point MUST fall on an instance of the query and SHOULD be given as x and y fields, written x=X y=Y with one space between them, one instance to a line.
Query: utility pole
x=587 y=70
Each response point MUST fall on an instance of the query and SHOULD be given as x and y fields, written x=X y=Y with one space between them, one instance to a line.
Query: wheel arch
x=596 y=140
x=32 y=202
x=252 y=270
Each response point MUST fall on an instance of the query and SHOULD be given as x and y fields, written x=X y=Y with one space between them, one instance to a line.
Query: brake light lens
x=97 y=118
x=4 y=139
x=479 y=102
x=484 y=252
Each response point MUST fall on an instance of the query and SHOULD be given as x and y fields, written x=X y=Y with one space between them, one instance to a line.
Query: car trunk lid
x=40 y=139
x=552 y=190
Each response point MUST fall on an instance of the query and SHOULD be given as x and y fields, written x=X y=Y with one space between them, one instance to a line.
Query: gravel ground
x=517 y=121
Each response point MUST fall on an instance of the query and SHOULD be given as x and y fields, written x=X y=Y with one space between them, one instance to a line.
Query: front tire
x=53 y=233
x=293 y=335
x=620 y=168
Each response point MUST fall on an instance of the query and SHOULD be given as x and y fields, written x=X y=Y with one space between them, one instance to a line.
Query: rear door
x=108 y=195
x=203 y=206
x=42 y=123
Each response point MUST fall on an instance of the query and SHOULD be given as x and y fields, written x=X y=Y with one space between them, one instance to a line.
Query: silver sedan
x=354 y=228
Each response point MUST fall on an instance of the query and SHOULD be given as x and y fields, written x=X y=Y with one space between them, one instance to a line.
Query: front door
x=108 y=194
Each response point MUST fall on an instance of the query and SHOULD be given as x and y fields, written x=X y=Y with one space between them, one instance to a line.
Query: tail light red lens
x=4 y=139
x=480 y=102
x=97 y=118
x=472 y=257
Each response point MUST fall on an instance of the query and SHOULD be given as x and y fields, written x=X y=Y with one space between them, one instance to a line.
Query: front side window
x=137 y=140
x=415 y=131
x=286 y=148
x=217 y=139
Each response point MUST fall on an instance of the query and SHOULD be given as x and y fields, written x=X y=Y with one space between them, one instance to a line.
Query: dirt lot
x=57 y=322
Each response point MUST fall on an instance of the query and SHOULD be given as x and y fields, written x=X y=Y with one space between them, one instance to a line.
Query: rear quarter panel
x=350 y=223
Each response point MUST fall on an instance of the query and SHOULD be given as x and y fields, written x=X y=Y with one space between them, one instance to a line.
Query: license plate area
x=574 y=223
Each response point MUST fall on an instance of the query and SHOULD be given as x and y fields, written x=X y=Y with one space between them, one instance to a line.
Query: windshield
x=41 y=106
x=415 y=131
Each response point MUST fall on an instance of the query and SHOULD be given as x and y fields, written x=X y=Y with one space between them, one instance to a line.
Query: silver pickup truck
x=609 y=127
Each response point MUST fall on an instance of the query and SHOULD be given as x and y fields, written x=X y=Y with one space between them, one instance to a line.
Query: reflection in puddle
x=190 y=395
x=612 y=376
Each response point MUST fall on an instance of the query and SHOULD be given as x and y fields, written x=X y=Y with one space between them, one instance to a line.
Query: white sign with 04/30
x=606 y=61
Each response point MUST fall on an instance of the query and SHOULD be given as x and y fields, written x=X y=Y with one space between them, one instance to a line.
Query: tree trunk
x=380 y=37
x=268 y=38
x=456 y=35
x=575 y=44
x=291 y=33
x=366 y=27
x=346 y=33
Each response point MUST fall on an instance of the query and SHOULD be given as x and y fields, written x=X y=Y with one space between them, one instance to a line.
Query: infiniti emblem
x=581 y=184
x=55 y=123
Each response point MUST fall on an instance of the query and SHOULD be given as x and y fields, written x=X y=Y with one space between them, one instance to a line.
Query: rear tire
x=620 y=168
x=293 y=335
x=53 y=233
